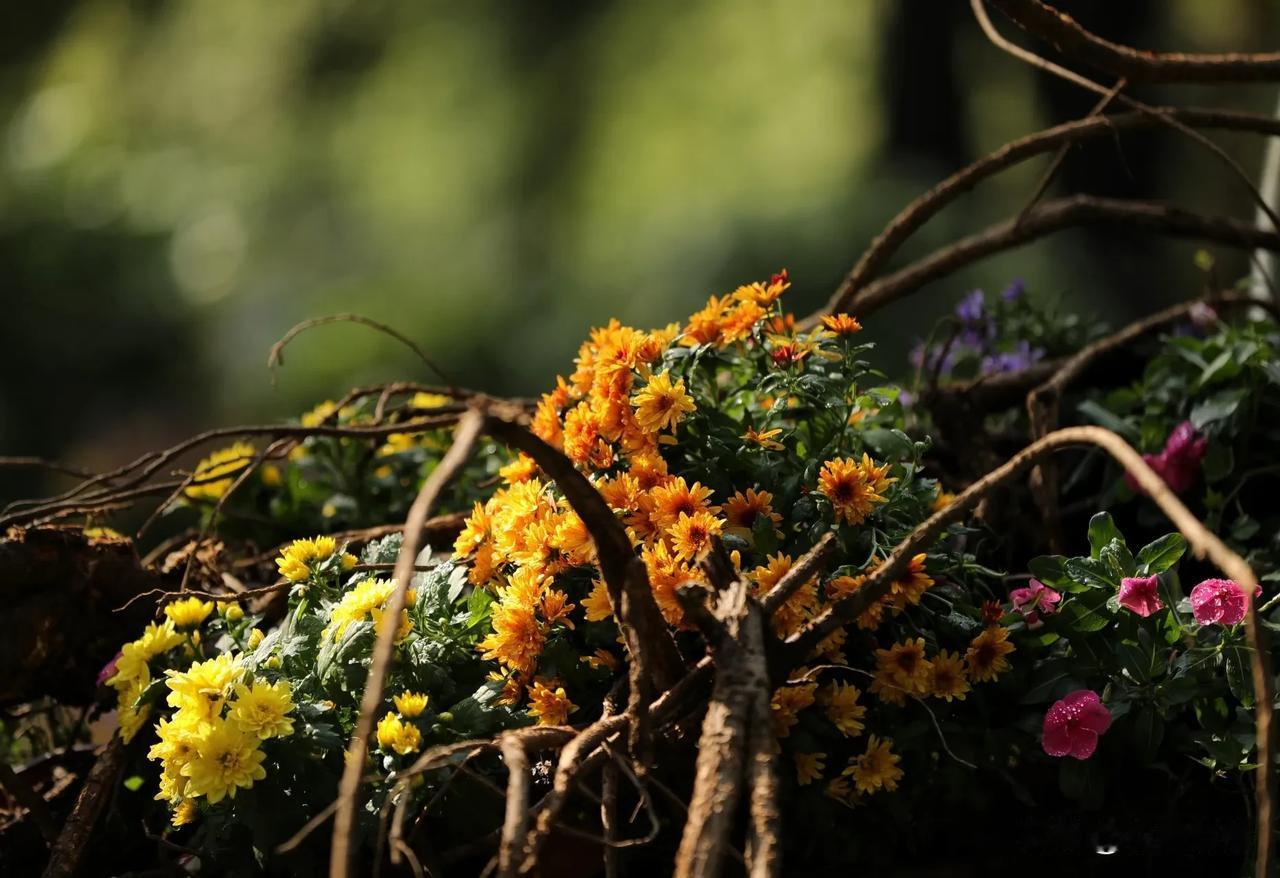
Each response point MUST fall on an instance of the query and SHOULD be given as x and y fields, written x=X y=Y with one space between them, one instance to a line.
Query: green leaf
x=1105 y=418
x=1217 y=407
x=1086 y=613
x=1148 y=732
x=1239 y=679
x=889 y=444
x=1102 y=530
x=1159 y=555
x=1054 y=680
x=1049 y=569
x=1091 y=573
x=1219 y=462
x=1118 y=559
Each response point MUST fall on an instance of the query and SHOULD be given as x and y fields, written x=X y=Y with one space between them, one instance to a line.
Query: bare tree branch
x=1070 y=38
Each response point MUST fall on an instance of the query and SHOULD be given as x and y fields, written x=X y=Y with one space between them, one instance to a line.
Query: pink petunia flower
x=1219 y=601
x=1179 y=463
x=1073 y=725
x=1140 y=594
x=1033 y=601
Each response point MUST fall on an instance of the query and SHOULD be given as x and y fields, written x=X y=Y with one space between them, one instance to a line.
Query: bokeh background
x=180 y=182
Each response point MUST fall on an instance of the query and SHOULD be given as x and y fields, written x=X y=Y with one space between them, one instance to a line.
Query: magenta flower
x=1140 y=595
x=108 y=670
x=1072 y=726
x=1219 y=601
x=1032 y=601
x=1179 y=463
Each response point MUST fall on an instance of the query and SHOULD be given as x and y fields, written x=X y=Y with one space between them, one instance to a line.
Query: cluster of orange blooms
x=611 y=417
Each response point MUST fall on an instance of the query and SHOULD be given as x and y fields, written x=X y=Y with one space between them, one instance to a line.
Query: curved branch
x=1203 y=543
x=912 y=217
x=1040 y=63
x=1053 y=216
x=648 y=638
x=275 y=358
x=1043 y=401
x=1072 y=40
x=468 y=433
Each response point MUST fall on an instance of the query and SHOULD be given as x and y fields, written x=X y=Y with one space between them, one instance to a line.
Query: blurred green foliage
x=181 y=182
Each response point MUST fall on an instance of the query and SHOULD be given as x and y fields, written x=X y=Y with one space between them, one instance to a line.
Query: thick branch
x=67 y=852
x=1072 y=40
x=739 y=704
x=929 y=204
x=648 y=638
x=1053 y=216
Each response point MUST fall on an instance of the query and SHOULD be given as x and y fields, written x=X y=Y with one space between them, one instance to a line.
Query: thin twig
x=468 y=432
x=276 y=357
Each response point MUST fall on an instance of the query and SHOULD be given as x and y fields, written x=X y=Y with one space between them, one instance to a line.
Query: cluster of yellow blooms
x=210 y=746
x=214 y=474
x=301 y=558
x=396 y=735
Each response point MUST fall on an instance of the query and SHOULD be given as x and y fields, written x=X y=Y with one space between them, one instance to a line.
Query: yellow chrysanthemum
x=947 y=676
x=188 y=613
x=786 y=703
x=129 y=714
x=986 y=654
x=597 y=604
x=131 y=665
x=300 y=557
x=661 y=404
x=691 y=534
x=904 y=665
x=877 y=768
x=203 y=688
x=550 y=706
x=214 y=475
x=186 y=811
x=263 y=709
x=227 y=759
x=410 y=704
x=842 y=324
x=840 y=700
x=742 y=511
x=398 y=736
x=854 y=487
x=809 y=767
x=360 y=603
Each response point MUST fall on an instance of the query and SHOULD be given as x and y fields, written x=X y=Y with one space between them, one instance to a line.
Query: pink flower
x=1139 y=594
x=1033 y=600
x=1179 y=463
x=1219 y=601
x=1072 y=725
x=108 y=670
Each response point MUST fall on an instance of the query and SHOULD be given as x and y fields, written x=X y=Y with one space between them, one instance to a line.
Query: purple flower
x=1013 y=291
x=972 y=308
x=1140 y=595
x=1032 y=601
x=1020 y=358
